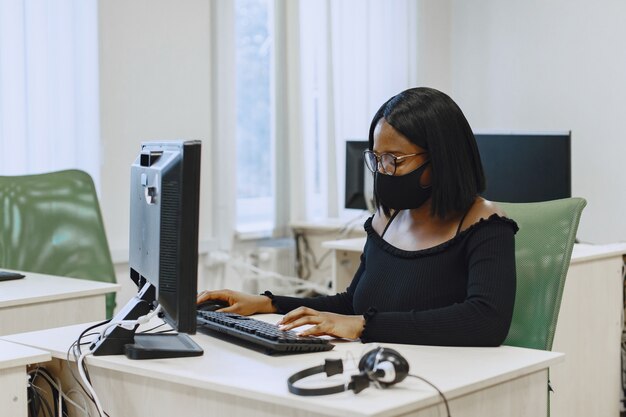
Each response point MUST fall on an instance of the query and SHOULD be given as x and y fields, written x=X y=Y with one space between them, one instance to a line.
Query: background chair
x=543 y=248
x=51 y=223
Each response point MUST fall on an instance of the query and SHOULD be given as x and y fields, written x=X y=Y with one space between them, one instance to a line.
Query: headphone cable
x=443 y=397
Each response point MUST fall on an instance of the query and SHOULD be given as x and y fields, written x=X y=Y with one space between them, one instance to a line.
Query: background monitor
x=359 y=182
x=163 y=252
x=523 y=167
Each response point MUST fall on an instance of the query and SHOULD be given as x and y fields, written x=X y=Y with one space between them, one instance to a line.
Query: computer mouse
x=212 y=305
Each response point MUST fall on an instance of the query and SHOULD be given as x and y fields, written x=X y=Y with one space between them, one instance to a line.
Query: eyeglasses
x=387 y=161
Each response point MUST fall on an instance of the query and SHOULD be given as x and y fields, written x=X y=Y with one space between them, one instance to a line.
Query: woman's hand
x=324 y=323
x=238 y=302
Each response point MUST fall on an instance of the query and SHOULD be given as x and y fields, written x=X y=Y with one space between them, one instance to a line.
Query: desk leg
x=13 y=385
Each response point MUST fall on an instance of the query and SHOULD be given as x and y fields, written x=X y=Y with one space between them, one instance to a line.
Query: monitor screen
x=163 y=253
x=525 y=167
x=359 y=184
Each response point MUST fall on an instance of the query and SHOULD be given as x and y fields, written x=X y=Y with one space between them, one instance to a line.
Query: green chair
x=51 y=223
x=543 y=248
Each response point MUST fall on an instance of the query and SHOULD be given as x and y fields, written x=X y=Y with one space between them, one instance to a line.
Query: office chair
x=51 y=223
x=543 y=248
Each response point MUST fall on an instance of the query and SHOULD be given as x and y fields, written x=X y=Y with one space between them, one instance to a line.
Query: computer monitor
x=359 y=190
x=524 y=167
x=163 y=253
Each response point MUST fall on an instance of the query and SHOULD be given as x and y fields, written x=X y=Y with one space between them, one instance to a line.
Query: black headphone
x=382 y=366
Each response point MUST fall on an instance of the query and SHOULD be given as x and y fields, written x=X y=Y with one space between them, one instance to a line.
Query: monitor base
x=159 y=346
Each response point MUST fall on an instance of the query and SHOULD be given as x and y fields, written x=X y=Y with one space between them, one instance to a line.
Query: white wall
x=433 y=44
x=154 y=84
x=551 y=65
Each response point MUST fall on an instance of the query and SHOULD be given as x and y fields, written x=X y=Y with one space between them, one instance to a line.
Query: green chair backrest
x=51 y=223
x=543 y=248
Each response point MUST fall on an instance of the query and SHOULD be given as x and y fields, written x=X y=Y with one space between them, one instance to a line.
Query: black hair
x=433 y=121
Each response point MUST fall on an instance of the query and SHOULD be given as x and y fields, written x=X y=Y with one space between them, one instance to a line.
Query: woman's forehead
x=388 y=139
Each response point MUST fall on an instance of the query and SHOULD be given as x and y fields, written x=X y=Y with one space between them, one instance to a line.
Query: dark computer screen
x=526 y=167
x=163 y=251
x=355 y=174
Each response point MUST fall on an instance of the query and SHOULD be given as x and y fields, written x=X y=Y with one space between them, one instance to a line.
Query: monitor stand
x=120 y=340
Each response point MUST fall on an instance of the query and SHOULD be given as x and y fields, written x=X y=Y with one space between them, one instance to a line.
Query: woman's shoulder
x=482 y=210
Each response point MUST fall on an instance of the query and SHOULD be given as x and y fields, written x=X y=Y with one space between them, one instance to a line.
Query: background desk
x=588 y=331
x=41 y=301
x=231 y=380
x=13 y=383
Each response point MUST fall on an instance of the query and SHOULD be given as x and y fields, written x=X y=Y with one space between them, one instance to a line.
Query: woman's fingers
x=298 y=313
x=230 y=309
x=313 y=331
x=212 y=295
x=304 y=320
x=201 y=296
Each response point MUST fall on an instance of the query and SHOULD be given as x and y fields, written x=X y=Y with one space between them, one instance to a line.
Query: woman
x=438 y=266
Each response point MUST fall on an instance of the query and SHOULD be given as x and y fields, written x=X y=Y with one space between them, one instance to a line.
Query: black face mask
x=403 y=191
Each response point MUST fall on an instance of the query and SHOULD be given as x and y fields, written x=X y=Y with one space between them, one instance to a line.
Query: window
x=49 y=115
x=309 y=76
x=355 y=55
x=255 y=161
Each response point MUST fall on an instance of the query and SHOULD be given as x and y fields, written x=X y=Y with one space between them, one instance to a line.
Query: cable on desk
x=443 y=397
x=78 y=344
x=83 y=398
x=81 y=364
x=56 y=388
x=37 y=403
x=87 y=384
x=75 y=347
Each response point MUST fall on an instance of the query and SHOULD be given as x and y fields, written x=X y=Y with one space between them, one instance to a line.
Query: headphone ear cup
x=370 y=362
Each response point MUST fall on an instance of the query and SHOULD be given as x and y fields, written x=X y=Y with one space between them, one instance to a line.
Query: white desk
x=13 y=383
x=41 y=301
x=231 y=380
x=588 y=330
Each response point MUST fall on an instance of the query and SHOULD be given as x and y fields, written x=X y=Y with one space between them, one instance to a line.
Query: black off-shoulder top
x=458 y=293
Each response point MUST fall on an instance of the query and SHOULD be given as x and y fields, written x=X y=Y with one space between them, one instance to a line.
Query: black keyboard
x=259 y=334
